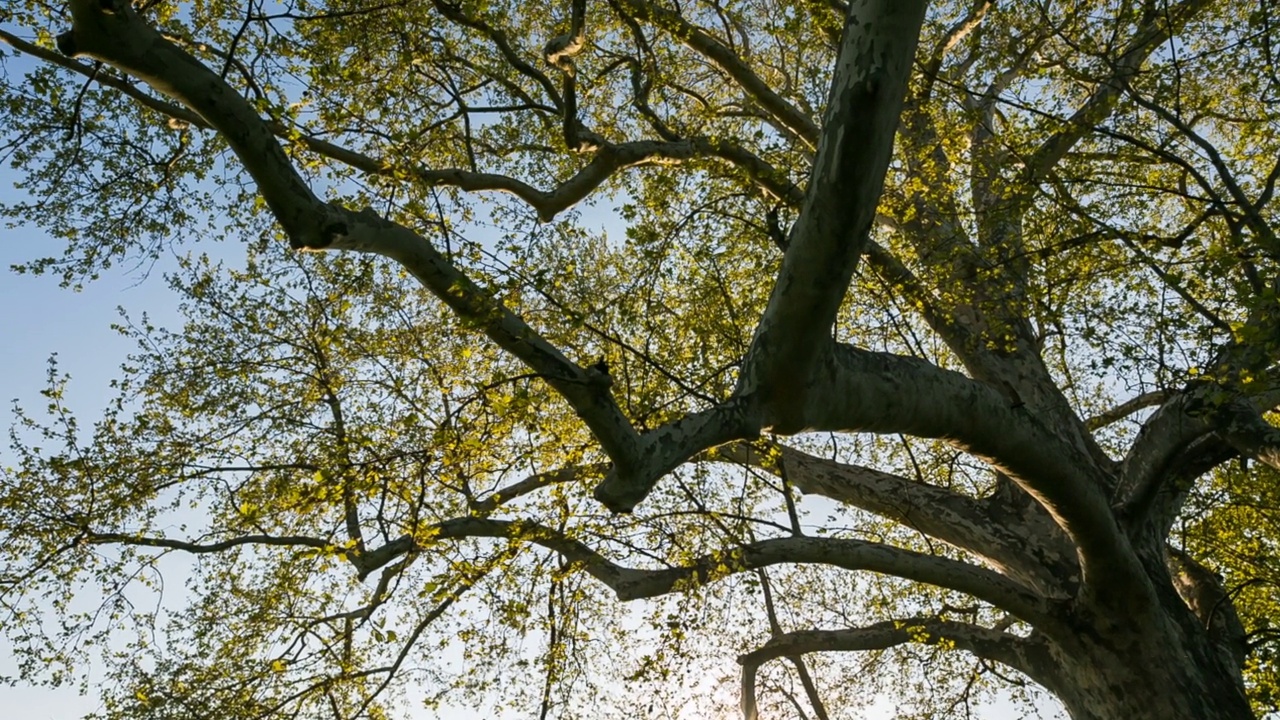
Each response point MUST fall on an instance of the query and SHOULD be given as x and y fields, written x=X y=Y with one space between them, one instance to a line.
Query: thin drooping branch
x=987 y=643
x=1171 y=281
x=802 y=669
x=954 y=35
x=365 y=562
x=1253 y=217
x=636 y=583
x=534 y=483
x=606 y=162
x=963 y=311
x=447 y=598
x=1151 y=35
x=455 y=13
x=199 y=548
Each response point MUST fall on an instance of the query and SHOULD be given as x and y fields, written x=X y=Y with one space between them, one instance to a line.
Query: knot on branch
x=598 y=374
x=622 y=489
x=333 y=233
x=66 y=43
x=366 y=563
x=331 y=227
x=560 y=51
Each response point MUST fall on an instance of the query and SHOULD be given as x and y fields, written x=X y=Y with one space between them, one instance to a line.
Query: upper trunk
x=1176 y=656
x=1134 y=672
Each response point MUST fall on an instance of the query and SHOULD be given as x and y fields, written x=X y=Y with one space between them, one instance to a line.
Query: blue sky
x=40 y=318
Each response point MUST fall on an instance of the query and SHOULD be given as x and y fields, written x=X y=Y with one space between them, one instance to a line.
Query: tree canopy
x=855 y=344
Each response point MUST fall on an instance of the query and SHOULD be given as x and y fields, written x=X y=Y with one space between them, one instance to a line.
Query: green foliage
x=239 y=505
x=1233 y=520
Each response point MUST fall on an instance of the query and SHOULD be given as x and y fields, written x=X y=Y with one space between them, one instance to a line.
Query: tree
x=1022 y=358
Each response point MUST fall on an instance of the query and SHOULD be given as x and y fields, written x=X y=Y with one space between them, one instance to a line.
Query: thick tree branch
x=120 y=38
x=1204 y=593
x=1203 y=408
x=634 y=584
x=663 y=450
x=560 y=53
x=974 y=311
x=830 y=233
x=1246 y=430
x=547 y=203
x=111 y=31
x=1014 y=549
x=1148 y=464
x=1000 y=205
x=983 y=584
x=858 y=390
x=54 y=58
x=987 y=643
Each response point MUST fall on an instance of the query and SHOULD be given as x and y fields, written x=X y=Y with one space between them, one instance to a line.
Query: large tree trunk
x=1179 y=657
x=1129 y=675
